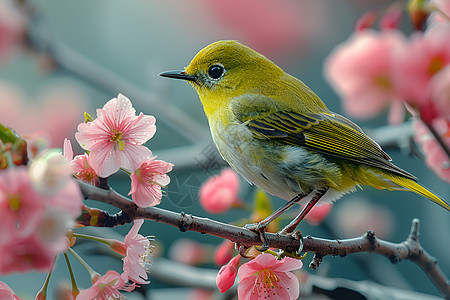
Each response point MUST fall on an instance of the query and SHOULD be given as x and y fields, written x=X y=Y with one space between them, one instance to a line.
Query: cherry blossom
x=138 y=248
x=25 y=254
x=115 y=137
x=107 y=287
x=269 y=278
x=362 y=71
x=83 y=170
x=440 y=92
x=147 y=180
x=426 y=55
x=435 y=156
x=219 y=193
x=21 y=206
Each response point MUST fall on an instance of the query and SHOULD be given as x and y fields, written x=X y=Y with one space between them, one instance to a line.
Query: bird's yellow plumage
x=278 y=134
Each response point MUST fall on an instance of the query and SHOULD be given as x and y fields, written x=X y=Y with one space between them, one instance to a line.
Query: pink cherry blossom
x=269 y=278
x=440 y=92
x=23 y=255
x=318 y=214
x=227 y=274
x=68 y=199
x=138 y=248
x=21 y=206
x=147 y=180
x=219 y=193
x=6 y=293
x=361 y=71
x=223 y=252
x=83 y=170
x=436 y=159
x=115 y=137
x=426 y=55
x=106 y=287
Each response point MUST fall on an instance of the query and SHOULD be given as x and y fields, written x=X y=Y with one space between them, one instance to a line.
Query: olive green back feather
x=327 y=134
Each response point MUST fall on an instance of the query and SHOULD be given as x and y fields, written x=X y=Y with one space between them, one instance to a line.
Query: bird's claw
x=297 y=235
x=261 y=229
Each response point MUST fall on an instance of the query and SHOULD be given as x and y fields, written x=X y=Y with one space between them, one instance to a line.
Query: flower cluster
x=135 y=249
x=115 y=141
x=38 y=204
x=374 y=69
x=40 y=199
x=263 y=277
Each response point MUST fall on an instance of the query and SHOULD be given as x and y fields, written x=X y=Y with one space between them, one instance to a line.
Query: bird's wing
x=326 y=133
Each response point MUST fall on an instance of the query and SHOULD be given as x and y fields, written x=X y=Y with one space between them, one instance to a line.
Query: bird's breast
x=279 y=169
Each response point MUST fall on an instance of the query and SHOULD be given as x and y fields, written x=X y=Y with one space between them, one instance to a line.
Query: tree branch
x=410 y=249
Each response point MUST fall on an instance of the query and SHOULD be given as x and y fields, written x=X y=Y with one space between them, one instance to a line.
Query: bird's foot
x=297 y=235
x=261 y=229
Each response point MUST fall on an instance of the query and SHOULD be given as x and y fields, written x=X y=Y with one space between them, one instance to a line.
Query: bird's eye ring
x=216 y=71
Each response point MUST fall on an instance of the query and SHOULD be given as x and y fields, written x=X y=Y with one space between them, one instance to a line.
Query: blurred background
x=59 y=59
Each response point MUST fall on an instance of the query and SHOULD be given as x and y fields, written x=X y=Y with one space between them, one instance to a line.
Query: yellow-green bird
x=279 y=135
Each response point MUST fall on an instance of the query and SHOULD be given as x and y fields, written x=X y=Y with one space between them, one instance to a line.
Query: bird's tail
x=417 y=188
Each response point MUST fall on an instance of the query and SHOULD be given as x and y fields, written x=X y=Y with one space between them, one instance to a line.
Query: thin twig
x=410 y=249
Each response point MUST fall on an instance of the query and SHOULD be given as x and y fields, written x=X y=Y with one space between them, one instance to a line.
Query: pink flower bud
x=227 y=274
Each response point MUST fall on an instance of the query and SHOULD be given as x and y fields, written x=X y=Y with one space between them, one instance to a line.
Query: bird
x=279 y=135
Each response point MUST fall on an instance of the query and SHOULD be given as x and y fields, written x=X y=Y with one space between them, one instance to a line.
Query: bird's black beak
x=179 y=75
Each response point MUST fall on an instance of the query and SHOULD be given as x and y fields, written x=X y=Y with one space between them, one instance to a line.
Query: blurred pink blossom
x=219 y=193
x=366 y=20
x=362 y=71
x=189 y=252
x=12 y=27
x=266 y=277
x=440 y=92
x=267 y=26
x=426 y=55
x=25 y=254
x=318 y=214
x=115 y=137
x=55 y=110
x=21 y=206
x=357 y=215
x=436 y=159
x=223 y=252
x=227 y=274
x=138 y=249
x=36 y=143
x=6 y=293
x=147 y=180
x=392 y=17
x=107 y=287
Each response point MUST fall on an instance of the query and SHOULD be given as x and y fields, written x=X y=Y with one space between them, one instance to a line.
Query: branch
x=410 y=249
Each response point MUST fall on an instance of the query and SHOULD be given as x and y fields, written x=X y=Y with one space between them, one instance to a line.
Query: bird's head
x=227 y=69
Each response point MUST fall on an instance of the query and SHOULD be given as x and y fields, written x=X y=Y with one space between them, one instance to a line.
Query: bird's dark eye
x=215 y=71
